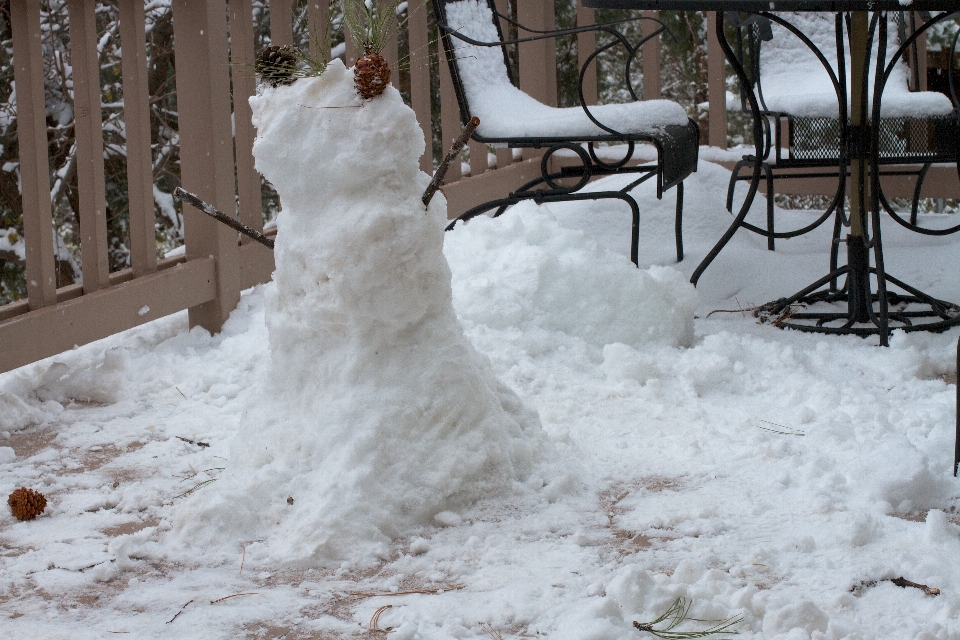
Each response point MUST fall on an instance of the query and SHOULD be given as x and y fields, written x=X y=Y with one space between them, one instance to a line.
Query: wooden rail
x=214 y=52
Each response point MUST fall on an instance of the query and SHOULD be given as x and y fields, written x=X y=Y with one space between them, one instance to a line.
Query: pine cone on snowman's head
x=371 y=75
x=277 y=65
x=26 y=504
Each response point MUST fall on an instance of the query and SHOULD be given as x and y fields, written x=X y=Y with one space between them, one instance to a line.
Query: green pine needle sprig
x=677 y=614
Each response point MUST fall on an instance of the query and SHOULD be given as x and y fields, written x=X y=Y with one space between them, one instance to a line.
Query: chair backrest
x=475 y=19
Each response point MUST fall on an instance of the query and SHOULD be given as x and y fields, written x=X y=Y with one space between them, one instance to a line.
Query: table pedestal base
x=866 y=312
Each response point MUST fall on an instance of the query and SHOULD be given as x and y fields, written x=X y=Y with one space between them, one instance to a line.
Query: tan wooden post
x=504 y=155
x=34 y=161
x=206 y=147
x=417 y=36
x=716 y=86
x=318 y=23
x=538 y=59
x=651 y=59
x=587 y=44
x=244 y=85
x=281 y=22
x=449 y=119
x=136 y=120
x=88 y=120
x=921 y=45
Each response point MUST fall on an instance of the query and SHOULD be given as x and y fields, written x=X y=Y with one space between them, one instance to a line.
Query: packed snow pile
x=377 y=416
x=525 y=271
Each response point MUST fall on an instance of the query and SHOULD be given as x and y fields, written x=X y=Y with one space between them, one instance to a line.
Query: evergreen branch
x=677 y=614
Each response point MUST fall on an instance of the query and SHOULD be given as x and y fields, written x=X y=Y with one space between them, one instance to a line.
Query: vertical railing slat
x=88 y=120
x=350 y=50
x=206 y=147
x=587 y=44
x=136 y=119
x=651 y=58
x=449 y=117
x=281 y=22
x=478 y=158
x=34 y=161
x=318 y=18
x=244 y=86
x=716 y=86
x=391 y=53
x=417 y=36
x=538 y=59
x=504 y=155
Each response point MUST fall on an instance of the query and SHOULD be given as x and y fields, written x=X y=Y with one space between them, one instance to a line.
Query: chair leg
x=678 y=224
x=733 y=182
x=769 y=176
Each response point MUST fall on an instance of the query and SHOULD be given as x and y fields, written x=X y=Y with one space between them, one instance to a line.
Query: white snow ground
x=693 y=485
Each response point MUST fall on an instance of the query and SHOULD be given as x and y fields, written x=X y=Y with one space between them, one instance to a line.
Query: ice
x=505 y=111
x=377 y=415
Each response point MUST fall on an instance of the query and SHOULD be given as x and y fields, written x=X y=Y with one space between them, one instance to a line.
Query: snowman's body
x=377 y=413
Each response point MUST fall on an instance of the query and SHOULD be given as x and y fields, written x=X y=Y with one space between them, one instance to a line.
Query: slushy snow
x=377 y=414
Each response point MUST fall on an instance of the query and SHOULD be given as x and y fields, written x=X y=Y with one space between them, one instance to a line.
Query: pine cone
x=26 y=504
x=275 y=65
x=371 y=74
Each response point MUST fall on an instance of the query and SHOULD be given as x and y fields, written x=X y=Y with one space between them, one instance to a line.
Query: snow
x=794 y=81
x=507 y=112
x=376 y=415
x=769 y=474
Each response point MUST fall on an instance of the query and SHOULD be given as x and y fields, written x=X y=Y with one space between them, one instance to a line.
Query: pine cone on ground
x=276 y=65
x=371 y=74
x=26 y=504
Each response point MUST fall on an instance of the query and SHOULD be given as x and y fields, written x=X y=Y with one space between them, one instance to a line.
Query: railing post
x=244 y=86
x=136 y=123
x=651 y=59
x=206 y=147
x=34 y=161
x=587 y=44
x=504 y=155
x=418 y=37
x=538 y=59
x=318 y=17
x=716 y=86
x=88 y=119
x=281 y=22
x=921 y=52
x=449 y=117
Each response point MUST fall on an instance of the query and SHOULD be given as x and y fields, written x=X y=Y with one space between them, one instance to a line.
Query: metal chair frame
x=780 y=135
x=677 y=146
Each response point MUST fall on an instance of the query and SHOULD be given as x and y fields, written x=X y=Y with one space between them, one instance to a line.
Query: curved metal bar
x=631 y=146
x=912 y=226
x=757 y=135
x=585 y=163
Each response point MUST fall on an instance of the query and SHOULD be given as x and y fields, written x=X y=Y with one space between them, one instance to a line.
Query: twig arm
x=448 y=160
x=210 y=210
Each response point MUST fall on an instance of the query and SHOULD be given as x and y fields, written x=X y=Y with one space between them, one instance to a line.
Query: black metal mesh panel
x=928 y=139
x=815 y=139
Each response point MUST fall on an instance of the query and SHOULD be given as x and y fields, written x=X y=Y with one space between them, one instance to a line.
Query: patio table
x=860 y=129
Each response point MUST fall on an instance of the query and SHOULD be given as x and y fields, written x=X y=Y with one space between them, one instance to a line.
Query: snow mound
x=524 y=270
x=377 y=415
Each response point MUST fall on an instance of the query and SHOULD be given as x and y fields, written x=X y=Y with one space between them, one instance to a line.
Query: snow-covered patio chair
x=479 y=64
x=800 y=102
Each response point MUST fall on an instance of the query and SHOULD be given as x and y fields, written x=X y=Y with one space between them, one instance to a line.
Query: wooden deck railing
x=215 y=38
